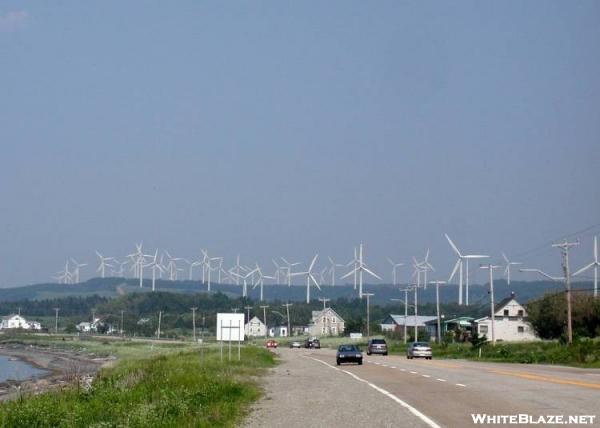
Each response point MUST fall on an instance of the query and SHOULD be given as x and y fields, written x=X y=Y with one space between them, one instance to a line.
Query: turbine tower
x=309 y=277
x=359 y=268
x=594 y=265
x=459 y=266
x=394 y=267
x=260 y=280
x=103 y=264
x=332 y=267
x=507 y=268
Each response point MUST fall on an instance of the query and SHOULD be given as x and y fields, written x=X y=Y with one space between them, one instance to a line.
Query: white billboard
x=230 y=327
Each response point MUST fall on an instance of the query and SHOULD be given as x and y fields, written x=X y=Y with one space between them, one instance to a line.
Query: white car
x=295 y=345
x=418 y=350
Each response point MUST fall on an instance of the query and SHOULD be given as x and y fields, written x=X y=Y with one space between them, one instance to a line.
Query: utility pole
x=56 y=320
x=194 y=322
x=437 y=308
x=93 y=315
x=491 y=268
x=324 y=302
x=564 y=249
x=368 y=314
x=287 y=310
x=264 y=308
x=159 y=320
x=235 y=310
x=406 y=290
x=416 y=287
x=248 y=310
x=122 y=311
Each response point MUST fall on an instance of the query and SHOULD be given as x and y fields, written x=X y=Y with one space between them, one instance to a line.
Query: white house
x=279 y=331
x=86 y=327
x=510 y=322
x=255 y=328
x=17 y=321
x=326 y=323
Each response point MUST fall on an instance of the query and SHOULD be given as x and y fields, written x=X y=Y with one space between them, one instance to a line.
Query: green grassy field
x=167 y=385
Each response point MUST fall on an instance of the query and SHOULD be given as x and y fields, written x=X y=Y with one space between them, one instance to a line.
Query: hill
x=114 y=287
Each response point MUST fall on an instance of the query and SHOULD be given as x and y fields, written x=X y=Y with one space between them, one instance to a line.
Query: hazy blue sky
x=289 y=128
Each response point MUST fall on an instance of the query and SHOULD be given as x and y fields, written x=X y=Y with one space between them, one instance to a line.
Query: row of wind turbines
x=254 y=276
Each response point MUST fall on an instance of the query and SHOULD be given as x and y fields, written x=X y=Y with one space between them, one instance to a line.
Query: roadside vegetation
x=152 y=385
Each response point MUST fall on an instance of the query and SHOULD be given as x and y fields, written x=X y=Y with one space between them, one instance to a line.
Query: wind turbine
x=260 y=281
x=172 y=266
x=289 y=270
x=119 y=272
x=394 y=267
x=459 y=266
x=103 y=265
x=154 y=265
x=332 y=267
x=76 y=271
x=244 y=279
x=424 y=267
x=359 y=268
x=309 y=277
x=64 y=276
x=235 y=270
x=354 y=264
x=594 y=265
x=507 y=268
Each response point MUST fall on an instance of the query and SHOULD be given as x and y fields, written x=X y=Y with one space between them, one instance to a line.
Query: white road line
x=460 y=384
x=403 y=370
x=404 y=404
x=425 y=375
x=441 y=380
x=392 y=367
x=414 y=373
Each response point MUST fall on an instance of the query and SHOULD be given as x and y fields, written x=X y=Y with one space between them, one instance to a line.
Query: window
x=521 y=329
x=333 y=329
x=520 y=312
x=483 y=329
x=505 y=312
x=323 y=330
x=333 y=320
x=324 y=319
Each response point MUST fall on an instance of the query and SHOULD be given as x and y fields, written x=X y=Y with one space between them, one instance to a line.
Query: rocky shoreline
x=63 y=368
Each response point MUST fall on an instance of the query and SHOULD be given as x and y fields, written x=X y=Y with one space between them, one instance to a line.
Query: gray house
x=326 y=322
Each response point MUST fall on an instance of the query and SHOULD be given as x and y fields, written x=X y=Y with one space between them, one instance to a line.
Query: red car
x=271 y=343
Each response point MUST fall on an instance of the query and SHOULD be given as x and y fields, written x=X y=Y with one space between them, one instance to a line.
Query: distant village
x=511 y=324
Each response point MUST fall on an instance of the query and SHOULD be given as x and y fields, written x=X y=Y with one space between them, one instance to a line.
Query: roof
x=410 y=319
x=254 y=319
x=318 y=314
x=504 y=302
x=7 y=317
x=466 y=321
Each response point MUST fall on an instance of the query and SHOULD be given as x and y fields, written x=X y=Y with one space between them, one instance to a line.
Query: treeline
x=139 y=311
x=548 y=315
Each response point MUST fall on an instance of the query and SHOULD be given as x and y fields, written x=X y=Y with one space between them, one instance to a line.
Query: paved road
x=394 y=391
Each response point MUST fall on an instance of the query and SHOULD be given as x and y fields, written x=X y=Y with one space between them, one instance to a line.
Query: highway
x=394 y=391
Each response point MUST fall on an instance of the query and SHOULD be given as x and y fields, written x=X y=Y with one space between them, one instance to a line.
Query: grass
x=168 y=388
x=584 y=353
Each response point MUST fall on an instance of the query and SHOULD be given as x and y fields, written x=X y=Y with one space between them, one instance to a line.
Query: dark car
x=312 y=343
x=349 y=354
x=377 y=346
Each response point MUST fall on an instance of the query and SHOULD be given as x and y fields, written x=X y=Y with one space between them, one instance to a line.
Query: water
x=17 y=370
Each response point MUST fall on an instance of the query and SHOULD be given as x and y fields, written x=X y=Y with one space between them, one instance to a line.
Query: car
x=312 y=343
x=271 y=343
x=295 y=345
x=418 y=350
x=377 y=346
x=349 y=354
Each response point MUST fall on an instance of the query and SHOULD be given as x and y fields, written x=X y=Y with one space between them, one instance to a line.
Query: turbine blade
x=456 y=266
x=371 y=273
x=453 y=246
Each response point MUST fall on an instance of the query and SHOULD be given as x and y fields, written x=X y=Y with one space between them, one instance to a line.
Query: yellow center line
x=532 y=376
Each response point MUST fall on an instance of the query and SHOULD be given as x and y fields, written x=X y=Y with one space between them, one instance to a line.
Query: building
x=397 y=322
x=16 y=321
x=278 y=331
x=255 y=328
x=326 y=323
x=460 y=325
x=510 y=322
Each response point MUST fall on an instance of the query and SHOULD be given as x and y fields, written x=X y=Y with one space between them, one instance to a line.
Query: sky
x=275 y=128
